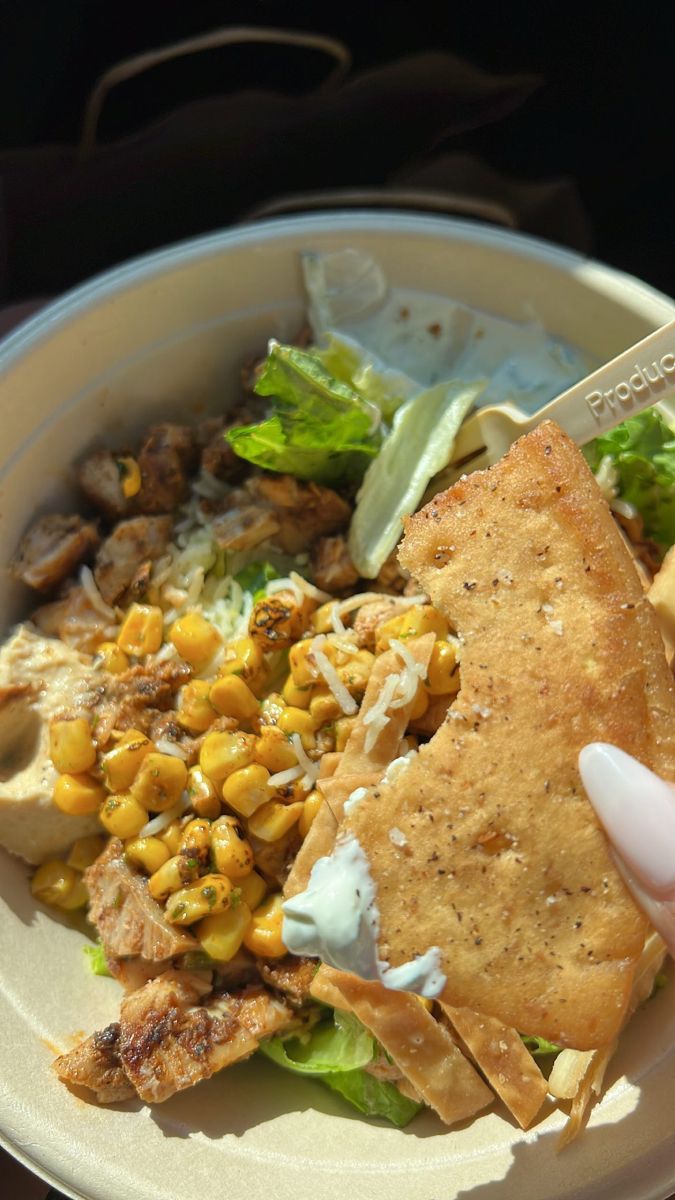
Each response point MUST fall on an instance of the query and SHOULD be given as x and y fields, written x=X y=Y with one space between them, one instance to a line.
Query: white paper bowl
x=165 y=335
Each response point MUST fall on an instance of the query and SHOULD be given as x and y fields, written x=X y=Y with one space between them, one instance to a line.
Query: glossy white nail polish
x=637 y=810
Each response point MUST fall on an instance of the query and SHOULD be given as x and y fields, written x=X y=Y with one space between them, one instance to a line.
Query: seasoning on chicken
x=74 y=620
x=334 y=570
x=95 y=1065
x=216 y=454
x=290 y=975
x=129 y=546
x=138 y=698
x=244 y=526
x=369 y=618
x=100 y=478
x=166 y=458
x=128 y=920
x=51 y=549
x=305 y=511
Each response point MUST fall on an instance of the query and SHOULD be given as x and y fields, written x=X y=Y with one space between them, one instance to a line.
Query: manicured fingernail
x=637 y=810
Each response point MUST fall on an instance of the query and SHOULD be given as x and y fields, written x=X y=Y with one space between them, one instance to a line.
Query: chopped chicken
x=129 y=546
x=127 y=918
x=95 y=1065
x=217 y=456
x=52 y=548
x=73 y=619
x=100 y=479
x=167 y=456
x=244 y=526
x=391 y=578
x=305 y=511
x=138 y=697
x=290 y=975
x=369 y=618
x=40 y=678
x=274 y=859
x=334 y=570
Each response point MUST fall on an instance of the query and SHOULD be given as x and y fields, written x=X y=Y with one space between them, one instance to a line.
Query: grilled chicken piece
x=244 y=526
x=127 y=918
x=169 y=1041
x=391 y=578
x=139 y=698
x=95 y=1065
x=333 y=567
x=100 y=479
x=166 y=458
x=74 y=620
x=290 y=975
x=274 y=859
x=217 y=456
x=131 y=544
x=369 y=618
x=134 y=973
x=305 y=511
x=52 y=548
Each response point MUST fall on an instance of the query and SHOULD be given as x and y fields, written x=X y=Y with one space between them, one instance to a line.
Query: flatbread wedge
x=505 y=867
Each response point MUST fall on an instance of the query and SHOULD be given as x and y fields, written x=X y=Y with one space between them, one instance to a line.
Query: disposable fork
x=637 y=378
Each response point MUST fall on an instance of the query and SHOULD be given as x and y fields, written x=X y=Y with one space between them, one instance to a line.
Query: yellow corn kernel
x=53 y=882
x=171 y=837
x=210 y=894
x=242 y=657
x=160 y=781
x=385 y=631
x=223 y=753
x=246 y=789
x=195 y=639
x=78 y=794
x=230 y=848
x=343 y=729
x=195 y=841
x=252 y=889
x=296 y=720
x=112 y=658
x=423 y=618
x=323 y=707
x=84 y=851
x=442 y=673
x=272 y=820
x=195 y=711
x=222 y=934
x=271 y=709
x=420 y=703
x=322 y=619
x=147 y=853
x=274 y=751
x=302 y=668
x=123 y=816
x=231 y=697
x=356 y=672
x=77 y=897
x=203 y=795
x=310 y=808
x=277 y=621
x=71 y=748
x=130 y=476
x=173 y=875
x=299 y=697
x=142 y=629
x=120 y=765
x=263 y=936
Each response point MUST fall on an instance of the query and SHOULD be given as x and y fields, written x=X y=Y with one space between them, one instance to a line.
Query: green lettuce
x=254 y=578
x=335 y=1052
x=384 y=386
x=642 y=450
x=538 y=1046
x=97 y=960
x=319 y=429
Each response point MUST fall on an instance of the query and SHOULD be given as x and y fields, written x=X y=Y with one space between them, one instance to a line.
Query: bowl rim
x=76 y=301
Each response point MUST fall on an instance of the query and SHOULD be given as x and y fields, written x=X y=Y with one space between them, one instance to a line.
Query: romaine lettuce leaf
x=97 y=961
x=642 y=449
x=418 y=447
x=255 y=576
x=538 y=1046
x=384 y=386
x=335 y=1052
x=320 y=428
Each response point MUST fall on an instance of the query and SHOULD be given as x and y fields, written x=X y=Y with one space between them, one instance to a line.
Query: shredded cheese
x=330 y=675
x=164 y=746
x=93 y=595
x=309 y=589
x=283 y=777
x=311 y=769
x=160 y=822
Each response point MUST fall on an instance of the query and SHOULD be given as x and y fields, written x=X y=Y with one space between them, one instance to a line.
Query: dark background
x=602 y=114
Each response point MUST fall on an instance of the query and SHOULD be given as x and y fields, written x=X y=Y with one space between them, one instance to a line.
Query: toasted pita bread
x=421 y=1048
x=505 y=1062
x=357 y=767
x=506 y=868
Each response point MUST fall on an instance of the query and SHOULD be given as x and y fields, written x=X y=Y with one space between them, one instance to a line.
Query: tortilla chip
x=506 y=868
x=357 y=767
x=505 y=1062
x=421 y=1048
